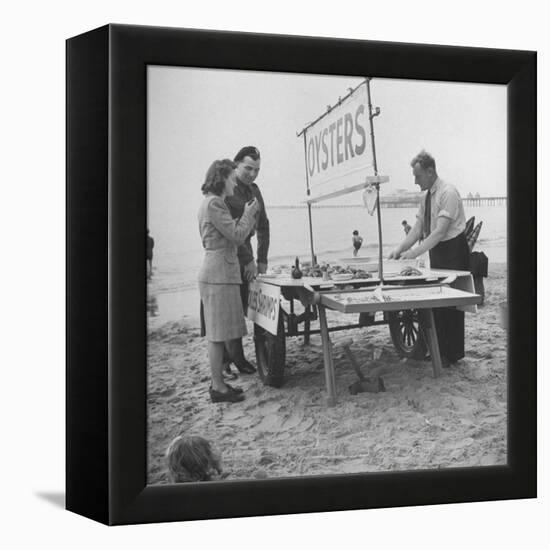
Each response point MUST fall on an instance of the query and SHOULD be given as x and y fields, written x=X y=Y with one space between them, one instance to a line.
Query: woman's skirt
x=222 y=311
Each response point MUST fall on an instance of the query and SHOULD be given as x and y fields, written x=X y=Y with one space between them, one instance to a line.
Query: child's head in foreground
x=190 y=458
x=356 y=232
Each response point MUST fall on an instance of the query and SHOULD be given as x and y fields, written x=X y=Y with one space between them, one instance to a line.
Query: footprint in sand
x=234 y=414
x=285 y=424
x=168 y=392
x=292 y=421
x=267 y=407
x=269 y=423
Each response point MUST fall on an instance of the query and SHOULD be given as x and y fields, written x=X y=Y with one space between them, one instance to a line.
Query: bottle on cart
x=424 y=261
x=296 y=272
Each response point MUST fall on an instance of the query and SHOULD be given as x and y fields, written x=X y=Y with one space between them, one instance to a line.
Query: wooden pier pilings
x=484 y=201
x=391 y=202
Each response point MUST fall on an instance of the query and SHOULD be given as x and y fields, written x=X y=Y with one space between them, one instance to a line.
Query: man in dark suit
x=248 y=167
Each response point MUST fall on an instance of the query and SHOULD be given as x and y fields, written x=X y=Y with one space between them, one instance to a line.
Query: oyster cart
x=404 y=303
x=339 y=162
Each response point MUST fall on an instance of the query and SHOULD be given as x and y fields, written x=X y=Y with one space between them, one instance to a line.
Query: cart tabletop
x=317 y=283
x=397 y=298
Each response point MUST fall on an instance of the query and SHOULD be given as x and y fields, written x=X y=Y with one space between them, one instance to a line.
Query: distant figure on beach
x=441 y=223
x=190 y=459
x=248 y=167
x=149 y=254
x=152 y=305
x=406 y=227
x=357 y=241
x=222 y=319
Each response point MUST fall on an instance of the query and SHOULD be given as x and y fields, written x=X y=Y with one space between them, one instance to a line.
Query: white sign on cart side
x=263 y=305
x=338 y=149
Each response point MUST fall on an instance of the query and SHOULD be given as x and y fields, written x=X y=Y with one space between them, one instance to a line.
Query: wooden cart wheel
x=271 y=354
x=406 y=334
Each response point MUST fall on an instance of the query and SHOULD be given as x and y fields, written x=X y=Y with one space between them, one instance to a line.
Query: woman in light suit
x=219 y=276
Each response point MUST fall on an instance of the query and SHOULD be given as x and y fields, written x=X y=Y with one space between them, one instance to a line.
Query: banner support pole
x=377 y=185
x=313 y=262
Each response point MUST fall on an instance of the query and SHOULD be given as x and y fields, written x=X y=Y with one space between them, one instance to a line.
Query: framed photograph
x=301 y=274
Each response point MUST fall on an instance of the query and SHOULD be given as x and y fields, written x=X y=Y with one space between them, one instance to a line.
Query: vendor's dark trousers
x=449 y=322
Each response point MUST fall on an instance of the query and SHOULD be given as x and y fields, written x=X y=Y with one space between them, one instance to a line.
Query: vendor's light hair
x=190 y=458
x=424 y=159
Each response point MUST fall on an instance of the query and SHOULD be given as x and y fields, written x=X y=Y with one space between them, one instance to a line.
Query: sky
x=198 y=115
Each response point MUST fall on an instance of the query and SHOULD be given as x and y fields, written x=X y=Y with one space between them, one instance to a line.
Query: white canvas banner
x=338 y=149
x=263 y=305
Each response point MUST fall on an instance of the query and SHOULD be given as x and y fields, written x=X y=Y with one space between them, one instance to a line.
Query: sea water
x=178 y=250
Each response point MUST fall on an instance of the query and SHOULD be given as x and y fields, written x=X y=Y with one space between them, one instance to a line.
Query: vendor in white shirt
x=439 y=229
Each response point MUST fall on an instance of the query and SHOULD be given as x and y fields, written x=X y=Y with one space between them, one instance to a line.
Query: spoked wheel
x=406 y=334
x=271 y=354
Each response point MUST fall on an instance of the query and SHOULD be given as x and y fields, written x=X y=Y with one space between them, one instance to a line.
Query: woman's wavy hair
x=190 y=458
x=219 y=170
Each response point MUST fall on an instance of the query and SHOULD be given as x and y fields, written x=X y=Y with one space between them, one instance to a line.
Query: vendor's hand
x=394 y=254
x=409 y=255
x=250 y=271
x=262 y=268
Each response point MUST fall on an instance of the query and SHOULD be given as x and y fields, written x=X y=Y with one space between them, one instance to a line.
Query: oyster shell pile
x=409 y=270
x=318 y=270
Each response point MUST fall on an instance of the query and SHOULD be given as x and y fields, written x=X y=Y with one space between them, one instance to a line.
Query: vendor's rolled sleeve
x=446 y=203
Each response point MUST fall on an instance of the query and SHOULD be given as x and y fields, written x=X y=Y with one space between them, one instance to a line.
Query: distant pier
x=485 y=201
x=405 y=202
x=411 y=202
x=400 y=202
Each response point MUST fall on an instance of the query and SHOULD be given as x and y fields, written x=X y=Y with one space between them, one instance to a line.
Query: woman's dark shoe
x=244 y=366
x=230 y=396
x=236 y=389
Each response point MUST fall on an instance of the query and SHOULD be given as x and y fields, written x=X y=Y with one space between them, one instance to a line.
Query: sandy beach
x=419 y=422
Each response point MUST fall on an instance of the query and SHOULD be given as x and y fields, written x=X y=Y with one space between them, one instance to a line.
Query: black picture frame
x=106 y=283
